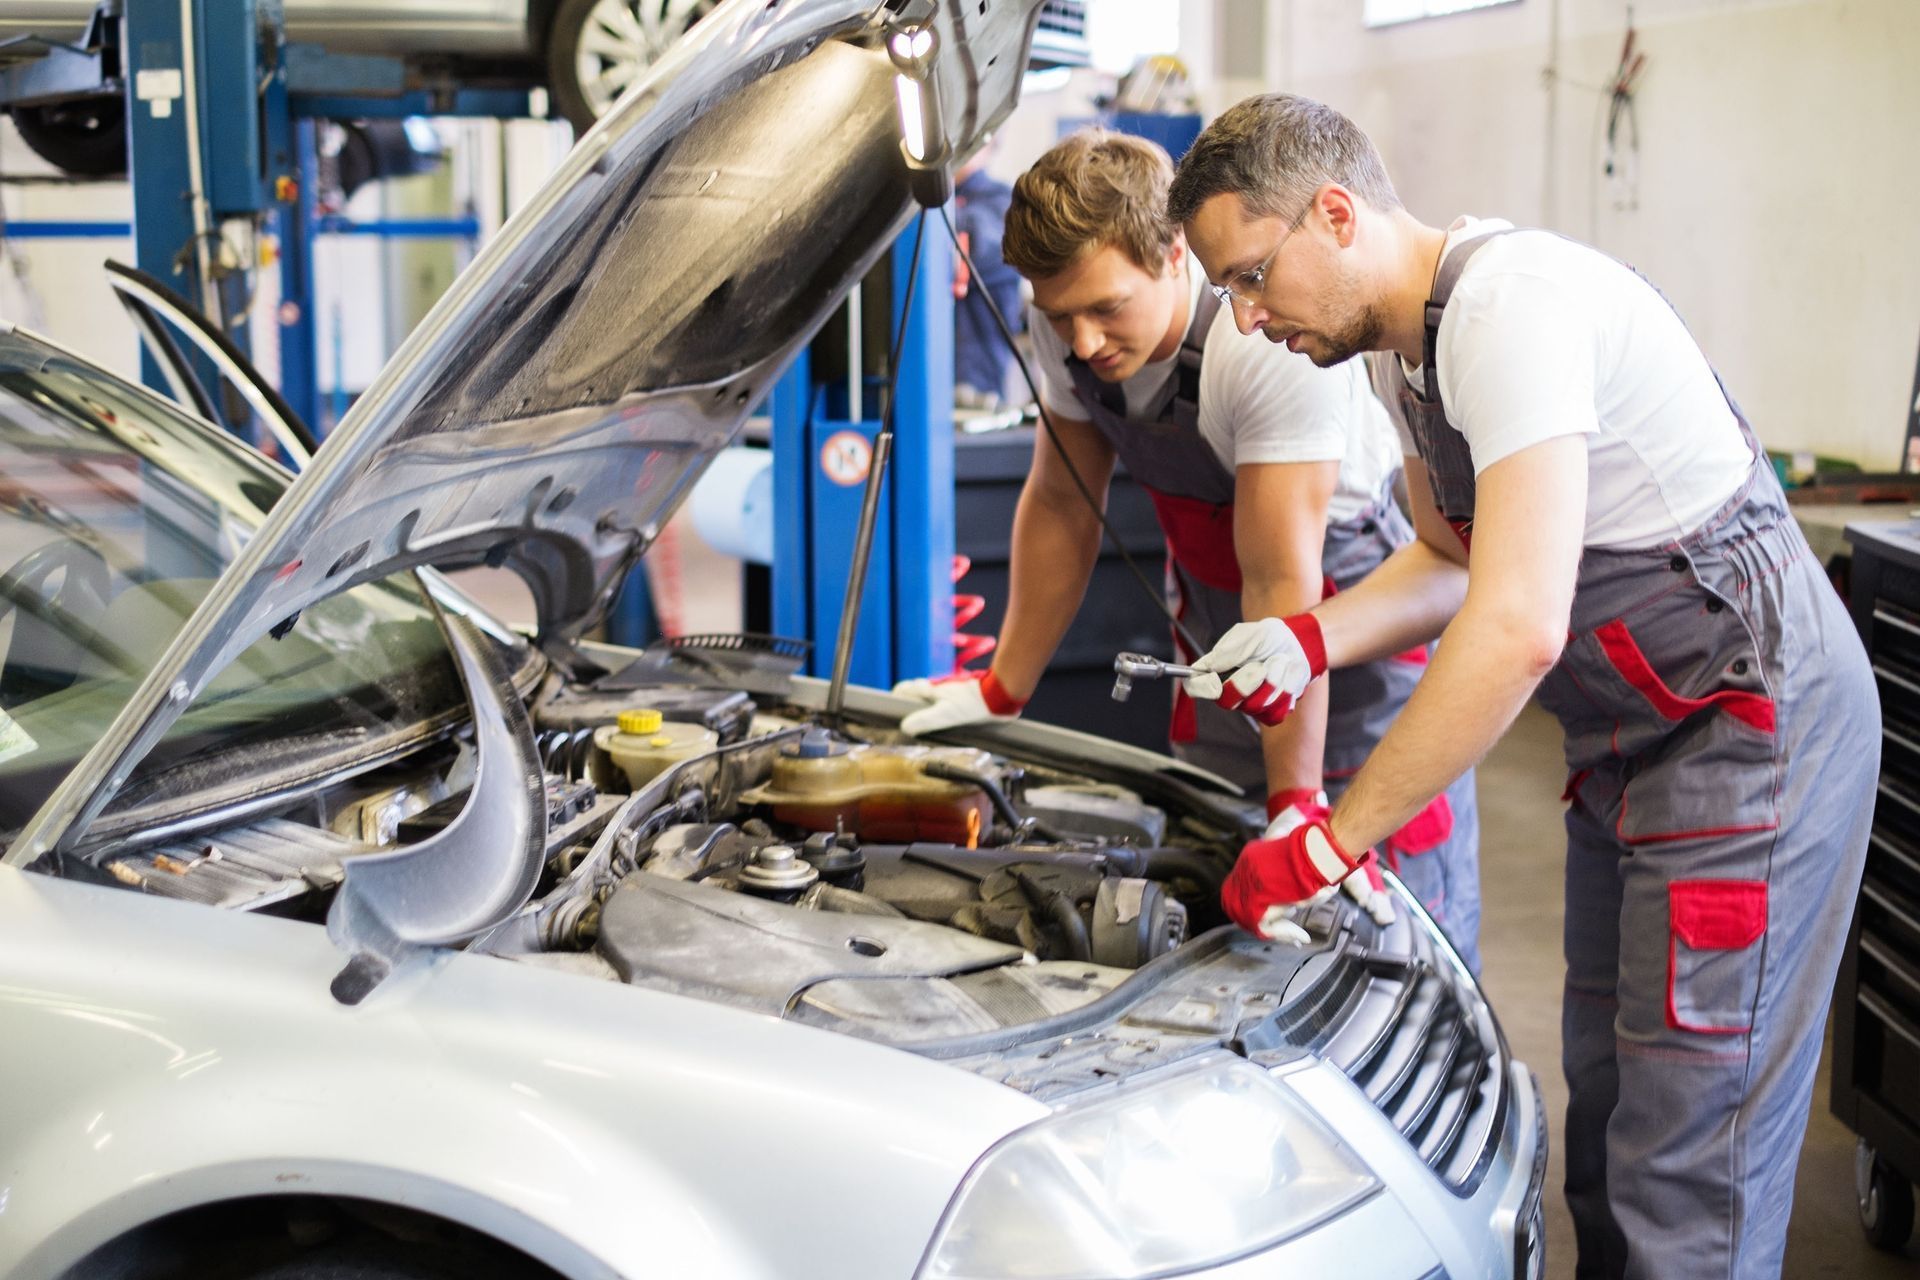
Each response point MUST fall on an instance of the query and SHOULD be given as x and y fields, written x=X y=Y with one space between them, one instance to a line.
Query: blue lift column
x=195 y=151
x=820 y=462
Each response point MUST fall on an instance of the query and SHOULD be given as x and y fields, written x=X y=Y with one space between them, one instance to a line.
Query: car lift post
x=194 y=150
x=821 y=451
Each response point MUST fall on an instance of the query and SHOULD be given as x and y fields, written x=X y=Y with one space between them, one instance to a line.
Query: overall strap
x=1186 y=376
x=1444 y=280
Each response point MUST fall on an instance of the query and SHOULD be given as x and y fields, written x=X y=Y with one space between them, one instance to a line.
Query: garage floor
x=1520 y=868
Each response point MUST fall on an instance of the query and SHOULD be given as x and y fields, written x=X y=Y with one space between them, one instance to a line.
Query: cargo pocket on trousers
x=1713 y=954
x=1701 y=768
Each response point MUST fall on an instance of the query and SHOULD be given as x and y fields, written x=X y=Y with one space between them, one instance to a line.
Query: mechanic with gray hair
x=1598 y=527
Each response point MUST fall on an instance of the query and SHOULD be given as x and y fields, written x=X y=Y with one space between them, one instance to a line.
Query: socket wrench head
x=1122 y=686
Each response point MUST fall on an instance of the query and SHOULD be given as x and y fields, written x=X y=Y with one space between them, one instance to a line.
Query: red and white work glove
x=1296 y=866
x=952 y=703
x=1261 y=668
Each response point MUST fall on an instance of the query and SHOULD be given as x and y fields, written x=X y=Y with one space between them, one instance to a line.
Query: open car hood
x=560 y=401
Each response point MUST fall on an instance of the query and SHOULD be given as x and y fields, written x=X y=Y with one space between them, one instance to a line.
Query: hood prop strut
x=870 y=500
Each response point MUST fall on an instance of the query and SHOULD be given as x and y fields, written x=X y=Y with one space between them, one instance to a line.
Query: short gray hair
x=1274 y=151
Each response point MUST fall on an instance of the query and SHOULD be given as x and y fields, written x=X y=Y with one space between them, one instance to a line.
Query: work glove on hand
x=1296 y=866
x=956 y=702
x=1261 y=668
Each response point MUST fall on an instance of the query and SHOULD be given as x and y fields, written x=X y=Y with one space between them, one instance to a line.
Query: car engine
x=733 y=845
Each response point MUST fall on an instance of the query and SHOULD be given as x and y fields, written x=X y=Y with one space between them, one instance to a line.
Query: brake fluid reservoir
x=642 y=744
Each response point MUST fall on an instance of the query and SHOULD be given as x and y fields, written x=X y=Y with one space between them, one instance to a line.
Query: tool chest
x=1876 y=1027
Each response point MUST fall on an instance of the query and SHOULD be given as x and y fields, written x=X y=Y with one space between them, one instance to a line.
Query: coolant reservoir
x=877 y=792
x=642 y=744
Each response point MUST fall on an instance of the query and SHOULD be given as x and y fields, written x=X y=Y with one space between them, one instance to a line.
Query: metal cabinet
x=989 y=471
x=1876 y=1029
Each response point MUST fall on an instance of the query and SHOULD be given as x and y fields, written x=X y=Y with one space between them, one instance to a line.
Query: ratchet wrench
x=1128 y=667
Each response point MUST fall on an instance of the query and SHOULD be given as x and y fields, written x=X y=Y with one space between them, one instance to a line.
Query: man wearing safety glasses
x=1271 y=480
x=1599 y=528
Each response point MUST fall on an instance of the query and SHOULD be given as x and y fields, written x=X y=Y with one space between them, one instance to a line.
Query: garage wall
x=1778 y=177
x=56 y=287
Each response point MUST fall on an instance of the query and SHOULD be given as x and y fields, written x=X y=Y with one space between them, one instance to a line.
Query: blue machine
x=820 y=460
x=1174 y=133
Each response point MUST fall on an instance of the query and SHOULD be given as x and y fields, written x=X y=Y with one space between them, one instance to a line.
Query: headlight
x=1188 y=1170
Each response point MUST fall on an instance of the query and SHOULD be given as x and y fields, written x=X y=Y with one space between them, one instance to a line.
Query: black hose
x=995 y=796
x=1060 y=906
x=1206 y=872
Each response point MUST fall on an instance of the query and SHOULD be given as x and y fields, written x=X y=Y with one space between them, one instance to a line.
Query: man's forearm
x=1055 y=546
x=1407 y=601
x=1482 y=675
x=1295 y=749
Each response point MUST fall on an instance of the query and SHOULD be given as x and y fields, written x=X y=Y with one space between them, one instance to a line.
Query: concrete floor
x=1520 y=868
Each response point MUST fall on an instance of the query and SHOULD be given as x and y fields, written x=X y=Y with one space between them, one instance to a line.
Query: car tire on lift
x=570 y=24
x=86 y=137
x=1885 y=1198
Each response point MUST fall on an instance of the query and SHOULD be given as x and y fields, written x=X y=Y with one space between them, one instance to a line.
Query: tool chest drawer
x=1876 y=1032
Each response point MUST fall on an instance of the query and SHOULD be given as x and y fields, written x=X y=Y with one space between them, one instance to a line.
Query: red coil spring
x=967 y=648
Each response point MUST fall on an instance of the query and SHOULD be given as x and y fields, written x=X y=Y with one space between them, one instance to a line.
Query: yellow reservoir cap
x=641 y=720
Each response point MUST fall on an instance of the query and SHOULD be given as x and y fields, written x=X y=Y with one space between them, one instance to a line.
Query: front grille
x=1423 y=1046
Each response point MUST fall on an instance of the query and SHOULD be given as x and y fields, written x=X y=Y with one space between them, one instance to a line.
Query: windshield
x=116 y=516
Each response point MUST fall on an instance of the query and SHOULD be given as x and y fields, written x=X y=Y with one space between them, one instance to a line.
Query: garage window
x=1386 y=13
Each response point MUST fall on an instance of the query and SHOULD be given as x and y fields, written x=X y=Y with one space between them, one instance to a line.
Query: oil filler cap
x=640 y=720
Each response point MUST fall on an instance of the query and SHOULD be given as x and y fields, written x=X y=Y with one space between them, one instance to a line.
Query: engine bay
x=739 y=846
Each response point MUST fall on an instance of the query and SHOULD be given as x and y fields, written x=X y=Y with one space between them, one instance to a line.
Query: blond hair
x=1094 y=188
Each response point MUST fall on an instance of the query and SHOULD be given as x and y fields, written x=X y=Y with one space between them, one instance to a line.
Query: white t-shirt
x=1544 y=338
x=1259 y=402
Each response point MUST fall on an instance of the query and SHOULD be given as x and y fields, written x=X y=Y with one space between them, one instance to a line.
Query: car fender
x=161 y=1055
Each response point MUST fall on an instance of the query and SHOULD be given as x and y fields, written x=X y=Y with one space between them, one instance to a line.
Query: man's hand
x=1271 y=878
x=953 y=703
x=1267 y=665
x=1291 y=810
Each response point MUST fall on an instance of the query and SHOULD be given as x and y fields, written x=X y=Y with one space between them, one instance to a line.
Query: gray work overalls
x=1722 y=741
x=1436 y=855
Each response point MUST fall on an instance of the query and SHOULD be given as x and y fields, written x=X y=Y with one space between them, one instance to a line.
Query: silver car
x=347 y=933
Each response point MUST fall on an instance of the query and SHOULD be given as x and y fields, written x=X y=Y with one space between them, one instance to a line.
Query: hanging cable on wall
x=1622 y=169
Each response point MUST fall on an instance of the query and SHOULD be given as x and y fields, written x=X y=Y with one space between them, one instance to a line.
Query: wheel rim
x=1863 y=1184
x=622 y=38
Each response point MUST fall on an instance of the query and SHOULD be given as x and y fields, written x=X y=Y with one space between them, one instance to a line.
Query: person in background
x=981 y=358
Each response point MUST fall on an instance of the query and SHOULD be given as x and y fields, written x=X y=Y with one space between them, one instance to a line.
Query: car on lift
x=345 y=932
x=584 y=52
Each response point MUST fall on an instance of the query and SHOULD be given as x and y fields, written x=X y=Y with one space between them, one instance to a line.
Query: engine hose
x=1064 y=913
x=1203 y=871
x=996 y=796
